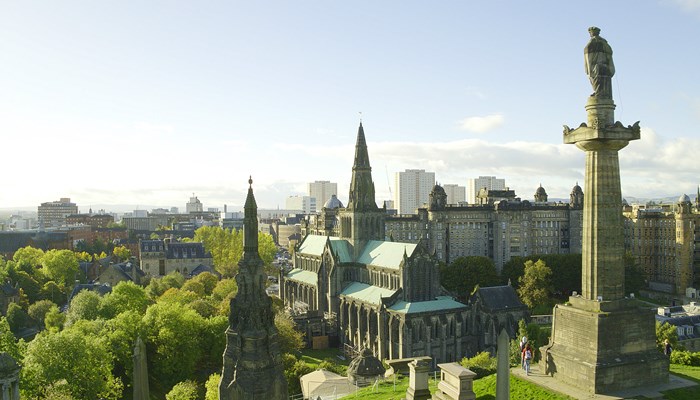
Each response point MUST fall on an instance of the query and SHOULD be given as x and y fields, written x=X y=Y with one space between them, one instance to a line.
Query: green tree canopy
x=186 y=390
x=226 y=247
x=536 y=285
x=37 y=311
x=60 y=266
x=122 y=252
x=85 y=305
x=126 y=296
x=173 y=341
x=83 y=361
x=464 y=273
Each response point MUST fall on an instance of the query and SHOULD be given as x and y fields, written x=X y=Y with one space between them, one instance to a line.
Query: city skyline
x=146 y=103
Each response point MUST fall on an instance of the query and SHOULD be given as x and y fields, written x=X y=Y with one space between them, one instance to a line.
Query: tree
x=85 y=305
x=173 y=341
x=16 y=317
x=126 y=296
x=186 y=390
x=194 y=287
x=53 y=292
x=226 y=247
x=54 y=320
x=665 y=332
x=209 y=281
x=27 y=259
x=121 y=333
x=8 y=343
x=212 y=387
x=83 y=361
x=535 y=286
x=290 y=340
x=634 y=276
x=464 y=273
x=60 y=266
x=122 y=253
x=38 y=311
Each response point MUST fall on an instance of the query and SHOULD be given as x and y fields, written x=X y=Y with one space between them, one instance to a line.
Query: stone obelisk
x=252 y=362
x=601 y=341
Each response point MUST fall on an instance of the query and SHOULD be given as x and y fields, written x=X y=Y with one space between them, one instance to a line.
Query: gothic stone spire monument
x=252 y=362
x=601 y=341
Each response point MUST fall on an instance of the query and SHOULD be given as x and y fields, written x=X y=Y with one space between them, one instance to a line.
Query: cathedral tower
x=361 y=220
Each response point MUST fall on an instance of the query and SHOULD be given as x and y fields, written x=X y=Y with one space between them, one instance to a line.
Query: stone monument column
x=602 y=341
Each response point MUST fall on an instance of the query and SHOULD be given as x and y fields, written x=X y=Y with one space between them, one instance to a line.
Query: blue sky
x=146 y=102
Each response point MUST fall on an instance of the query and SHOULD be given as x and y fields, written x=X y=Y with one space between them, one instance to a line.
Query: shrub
x=482 y=364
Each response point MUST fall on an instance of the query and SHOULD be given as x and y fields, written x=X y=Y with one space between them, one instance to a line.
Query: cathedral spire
x=250 y=225
x=361 y=185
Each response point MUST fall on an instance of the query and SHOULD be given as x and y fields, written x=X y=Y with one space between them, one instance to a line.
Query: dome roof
x=365 y=365
x=7 y=364
x=438 y=189
x=540 y=191
x=684 y=199
x=333 y=203
x=577 y=189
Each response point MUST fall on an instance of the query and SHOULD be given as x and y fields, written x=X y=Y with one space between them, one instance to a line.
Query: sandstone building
x=500 y=226
x=665 y=242
x=161 y=257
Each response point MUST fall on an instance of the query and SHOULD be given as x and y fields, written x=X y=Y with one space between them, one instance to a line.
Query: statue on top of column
x=599 y=64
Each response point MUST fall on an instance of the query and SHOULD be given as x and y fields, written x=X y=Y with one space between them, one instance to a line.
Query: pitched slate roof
x=367 y=293
x=499 y=297
x=439 y=304
x=315 y=244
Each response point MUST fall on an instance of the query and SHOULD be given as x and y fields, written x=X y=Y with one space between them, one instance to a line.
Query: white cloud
x=482 y=124
x=692 y=6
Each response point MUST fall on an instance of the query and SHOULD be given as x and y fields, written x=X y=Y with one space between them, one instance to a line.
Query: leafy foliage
x=535 y=286
x=290 y=339
x=83 y=361
x=667 y=331
x=482 y=364
x=60 y=266
x=212 y=387
x=566 y=271
x=465 y=273
x=85 y=305
x=186 y=390
x=226 y=247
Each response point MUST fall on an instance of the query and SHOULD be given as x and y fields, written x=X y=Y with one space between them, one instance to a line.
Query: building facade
x=665 y=243
x=54 y=213
x=487 y=182
x=194 y=205
x=322 y=191
x=93 y=220
x=500 y=226
x=411 y=189
x=161 y=257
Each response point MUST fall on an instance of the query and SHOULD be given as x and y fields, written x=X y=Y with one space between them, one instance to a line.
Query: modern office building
x=304 y=204
x=322 y=192
x=455 y=194
x=487 y=182
x=412 y=188
x=54 y=213
x=194 y=205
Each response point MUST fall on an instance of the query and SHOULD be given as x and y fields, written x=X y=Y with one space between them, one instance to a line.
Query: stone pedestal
x=418 y=380
x=456 y=383
x=603 y=346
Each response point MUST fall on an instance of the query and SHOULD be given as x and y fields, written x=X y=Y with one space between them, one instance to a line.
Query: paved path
x=650 y=392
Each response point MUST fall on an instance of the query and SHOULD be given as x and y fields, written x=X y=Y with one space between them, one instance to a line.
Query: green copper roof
x=303 y=276
x=440 y=304
x=385 y=254
x=315 y=244
x=367 y=293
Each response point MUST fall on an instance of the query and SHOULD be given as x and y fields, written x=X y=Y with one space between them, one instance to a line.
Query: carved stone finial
x=250 y=180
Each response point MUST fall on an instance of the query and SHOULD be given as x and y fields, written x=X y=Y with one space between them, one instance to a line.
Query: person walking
x=523 y=342
x=667 y=348
x=527 y=355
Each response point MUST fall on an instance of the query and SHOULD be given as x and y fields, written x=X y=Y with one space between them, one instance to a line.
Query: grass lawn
x=687 y=372
x=314 y=357
x=485 y=389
